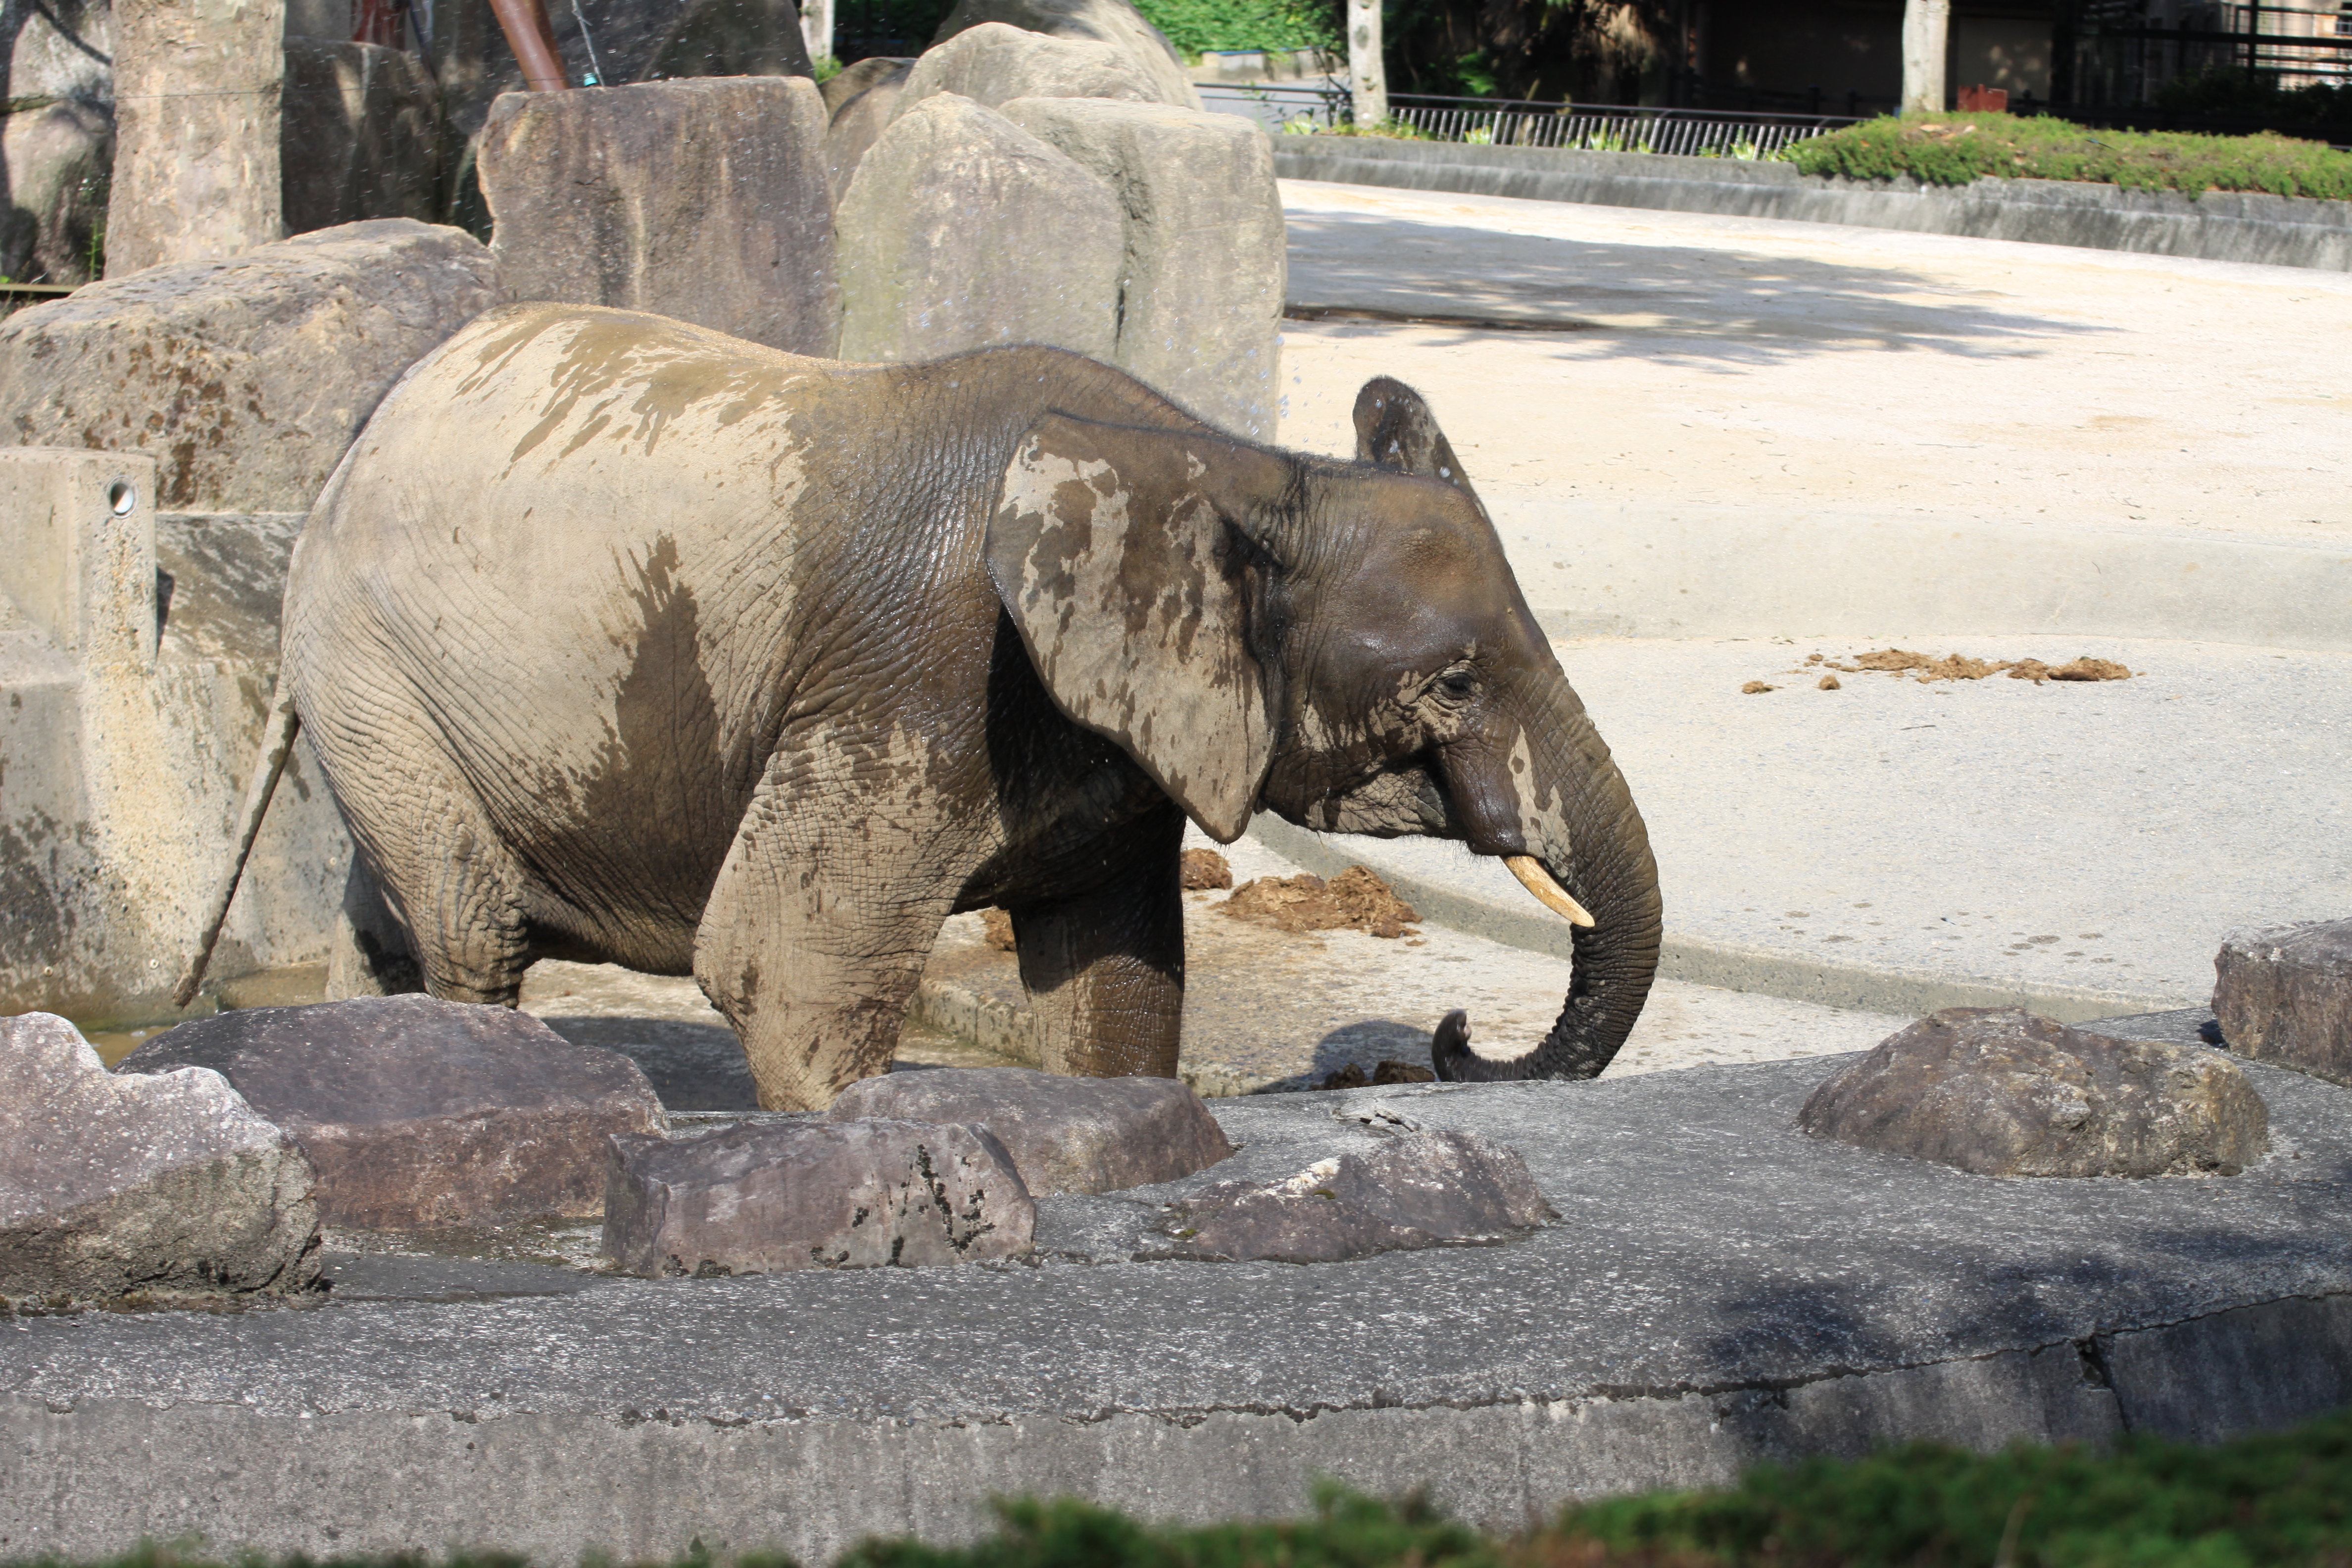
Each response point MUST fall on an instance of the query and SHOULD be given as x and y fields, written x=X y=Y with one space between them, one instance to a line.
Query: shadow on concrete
x=1707 y=308
x=692 y=1067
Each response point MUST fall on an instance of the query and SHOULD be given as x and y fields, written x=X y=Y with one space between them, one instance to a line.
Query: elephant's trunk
x=1578 y=818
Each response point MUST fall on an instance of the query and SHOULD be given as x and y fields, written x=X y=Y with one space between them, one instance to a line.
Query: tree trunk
x=1925 y=25
x=816 y=28
x=197 y=85
x=1365 y=74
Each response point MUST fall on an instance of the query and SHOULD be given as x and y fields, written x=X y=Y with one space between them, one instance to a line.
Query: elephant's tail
x=276 y=747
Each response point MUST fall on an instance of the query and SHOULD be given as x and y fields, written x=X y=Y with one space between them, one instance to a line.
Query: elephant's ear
x=1395 y=429
x=1121 y=556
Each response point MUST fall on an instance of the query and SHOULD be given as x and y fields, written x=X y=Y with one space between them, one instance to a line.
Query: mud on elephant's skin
x=623 y=640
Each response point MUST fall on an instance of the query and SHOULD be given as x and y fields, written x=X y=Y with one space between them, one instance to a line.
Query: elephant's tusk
x=1536 y=880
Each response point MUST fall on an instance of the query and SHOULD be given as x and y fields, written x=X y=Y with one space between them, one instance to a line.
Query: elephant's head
x=1343 y=644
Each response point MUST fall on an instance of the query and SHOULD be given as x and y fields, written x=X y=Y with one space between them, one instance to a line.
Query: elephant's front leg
x=822 y=916
x=1105 y=970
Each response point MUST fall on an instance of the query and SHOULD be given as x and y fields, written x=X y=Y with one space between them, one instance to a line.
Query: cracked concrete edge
x=1726 y=965
x=93 y=1477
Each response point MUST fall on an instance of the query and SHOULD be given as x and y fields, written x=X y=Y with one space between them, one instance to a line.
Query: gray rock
x=166 y=1185
x=62 y=49
x=1064 y=1134
x=703 y=200
x=853 y=80
x=764 y=1198
x=55 y=160
x=995 y=64
x=196 y=85
x=1411 y=1189
x=1114 y=22
x=859 y=119
x=246 y=379
x=2001 y=1092
x=962 y=231
x=2284 y=996
x=361 y=135
x=1191 y=186
x=420 y=1113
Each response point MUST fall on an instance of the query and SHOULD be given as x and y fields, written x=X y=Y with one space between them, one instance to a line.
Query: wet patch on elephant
x=661 y=743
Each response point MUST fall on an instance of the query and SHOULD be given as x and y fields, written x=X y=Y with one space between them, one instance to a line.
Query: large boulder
x=197 y=86
x=2283 y=995
x=361 y=136
x=1113 y=22
x=763 y=1198
x=859 y=118
x=856 y=80
x=703 y=200
x=54 y=158
x=162 y=1186
x=1192 y=186
x=1411 y=1190
x=2001 y=1092
x=246 y=379
x=995 y=64
x=419 y=1113
x=1064 y=1134
x=962 y=231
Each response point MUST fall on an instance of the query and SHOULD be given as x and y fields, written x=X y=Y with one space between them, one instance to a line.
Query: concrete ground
x=1745 y=427
x=1768 y=440
x=1719 y=1290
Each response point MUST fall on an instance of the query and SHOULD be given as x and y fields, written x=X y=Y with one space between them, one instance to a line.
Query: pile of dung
x=999 y=927
x=1204 y=870
x=1355 y=900
x=1961 y=666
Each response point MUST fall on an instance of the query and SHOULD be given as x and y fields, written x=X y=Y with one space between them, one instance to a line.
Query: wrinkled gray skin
x=622 y=640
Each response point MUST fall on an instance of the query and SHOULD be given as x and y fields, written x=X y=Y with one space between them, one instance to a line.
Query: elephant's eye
x=1458 y=685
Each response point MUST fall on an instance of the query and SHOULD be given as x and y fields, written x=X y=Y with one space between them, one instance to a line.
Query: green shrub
x=1196 y=26
x=1955 y=148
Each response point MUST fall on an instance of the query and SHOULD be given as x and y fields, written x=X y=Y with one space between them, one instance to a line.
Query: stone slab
x=703 y=199
x=159 y=1186
x=419 y=1112
x=1675 y=1327
x=993 y=64
x=938 y=241
x=1064 y=1134
x=787 y=1193
x=1114 y=22
x=1191 y=184
x=244 y=379
x=2001 y=1093
x=2284 y=996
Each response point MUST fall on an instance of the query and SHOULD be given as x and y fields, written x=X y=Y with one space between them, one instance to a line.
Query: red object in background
x=378 y=21
x=1977 y=100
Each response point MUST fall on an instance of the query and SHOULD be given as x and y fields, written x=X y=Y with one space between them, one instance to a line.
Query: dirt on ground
x=1961 y=666
x=1355 y=900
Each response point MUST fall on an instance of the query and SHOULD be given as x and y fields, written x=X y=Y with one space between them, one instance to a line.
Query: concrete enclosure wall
x=132 y=711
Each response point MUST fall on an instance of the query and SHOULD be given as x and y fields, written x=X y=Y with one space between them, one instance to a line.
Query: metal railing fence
x=1521 y=122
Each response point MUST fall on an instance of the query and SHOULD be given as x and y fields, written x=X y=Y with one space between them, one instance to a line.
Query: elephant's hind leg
x=446 y=874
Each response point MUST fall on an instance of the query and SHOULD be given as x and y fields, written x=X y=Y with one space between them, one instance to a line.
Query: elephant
x=618 y=639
